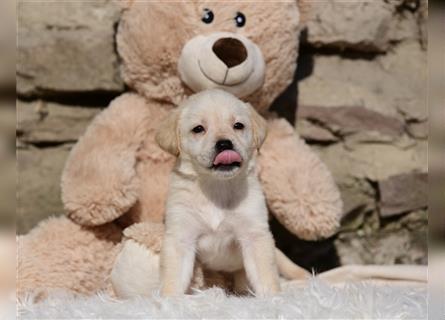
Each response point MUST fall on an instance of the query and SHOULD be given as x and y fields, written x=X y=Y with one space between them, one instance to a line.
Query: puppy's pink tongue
x=227 y=157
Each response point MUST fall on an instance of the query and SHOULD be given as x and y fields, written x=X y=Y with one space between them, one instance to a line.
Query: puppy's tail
x=288 y=269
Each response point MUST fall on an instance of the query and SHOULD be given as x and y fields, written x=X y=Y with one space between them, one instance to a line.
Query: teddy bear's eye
x=207 y=16
x=240 y=19
x=198 y=129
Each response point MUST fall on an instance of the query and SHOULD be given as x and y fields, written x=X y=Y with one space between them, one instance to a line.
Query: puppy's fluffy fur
x=216 y=214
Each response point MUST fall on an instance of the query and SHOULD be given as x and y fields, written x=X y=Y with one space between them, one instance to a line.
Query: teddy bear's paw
x=94 y=214
x=100 y=211
x=135 y=271
x=147 y=234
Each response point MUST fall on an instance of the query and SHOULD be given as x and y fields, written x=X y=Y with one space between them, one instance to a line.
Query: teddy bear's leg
x=384 y=273
x=299 y=189
x=99 y=182
x=136 y=271
x=60 y=254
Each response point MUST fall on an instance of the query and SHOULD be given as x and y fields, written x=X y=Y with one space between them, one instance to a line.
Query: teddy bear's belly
x=220 y=251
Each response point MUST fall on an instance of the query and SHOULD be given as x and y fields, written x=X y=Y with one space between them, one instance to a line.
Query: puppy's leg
x=260 y=264
x=177 y=260
x=240 y=282
x=288 y=269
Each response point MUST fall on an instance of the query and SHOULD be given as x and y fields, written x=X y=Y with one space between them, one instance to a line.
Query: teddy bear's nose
x=231 y=51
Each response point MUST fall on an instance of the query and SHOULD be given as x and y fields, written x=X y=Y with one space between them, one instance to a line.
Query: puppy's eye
x=240 y=19
x=198 y=129
x=238 y=126
x=207 y=16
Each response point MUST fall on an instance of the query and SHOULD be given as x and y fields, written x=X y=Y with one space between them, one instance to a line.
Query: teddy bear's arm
x=299 y=188
x=99 y=180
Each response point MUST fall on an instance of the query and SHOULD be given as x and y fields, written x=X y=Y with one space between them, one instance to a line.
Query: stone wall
x=362 y=105
x=360 y=91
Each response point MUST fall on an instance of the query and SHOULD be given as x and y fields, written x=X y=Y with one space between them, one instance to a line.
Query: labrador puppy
x=216 y=211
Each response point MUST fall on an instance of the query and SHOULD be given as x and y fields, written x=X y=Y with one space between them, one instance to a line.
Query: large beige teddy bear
x=115 y=180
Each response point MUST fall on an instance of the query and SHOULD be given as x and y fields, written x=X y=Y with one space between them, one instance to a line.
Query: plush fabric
x=150 y=49
x=299 y=199
x=313 y=300
x=117 y=176
x=62 y=254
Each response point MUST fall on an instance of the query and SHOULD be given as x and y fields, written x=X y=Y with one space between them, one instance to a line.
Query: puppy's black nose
x=222 y=145
x=231 y=51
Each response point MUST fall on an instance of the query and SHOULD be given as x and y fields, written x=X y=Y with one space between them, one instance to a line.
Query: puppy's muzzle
x=226 y=157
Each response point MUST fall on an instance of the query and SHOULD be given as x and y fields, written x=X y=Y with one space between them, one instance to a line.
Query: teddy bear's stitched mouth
x=225 y=77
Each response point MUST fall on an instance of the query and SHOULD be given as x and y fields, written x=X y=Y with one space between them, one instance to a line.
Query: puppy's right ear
x=167 y=135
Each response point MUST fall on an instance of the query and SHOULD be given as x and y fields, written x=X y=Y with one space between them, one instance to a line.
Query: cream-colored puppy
x=216 y=211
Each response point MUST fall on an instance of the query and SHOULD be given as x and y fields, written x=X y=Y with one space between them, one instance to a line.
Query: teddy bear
x=115 y=180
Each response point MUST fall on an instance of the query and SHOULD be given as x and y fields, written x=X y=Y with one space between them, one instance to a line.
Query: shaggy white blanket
x=314 y=299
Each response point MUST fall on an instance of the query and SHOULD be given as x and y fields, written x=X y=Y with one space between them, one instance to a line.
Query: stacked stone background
x=359 y=96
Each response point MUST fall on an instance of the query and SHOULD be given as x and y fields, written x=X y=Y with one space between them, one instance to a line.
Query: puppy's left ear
x=167 y=135
x=259 y=127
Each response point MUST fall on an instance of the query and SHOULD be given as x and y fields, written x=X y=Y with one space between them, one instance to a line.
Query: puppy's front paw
x=169 y=290
x=268 y=291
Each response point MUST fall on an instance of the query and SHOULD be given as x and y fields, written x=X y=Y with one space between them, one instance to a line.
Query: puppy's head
x=215 y=131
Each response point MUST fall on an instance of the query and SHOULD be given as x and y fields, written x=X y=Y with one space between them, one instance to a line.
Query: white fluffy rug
x=313 y=300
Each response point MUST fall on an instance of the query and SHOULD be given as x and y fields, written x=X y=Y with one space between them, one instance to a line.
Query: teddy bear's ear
x=167 y=135
x=259 y=127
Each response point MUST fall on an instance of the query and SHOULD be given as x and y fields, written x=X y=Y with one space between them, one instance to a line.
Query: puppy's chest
x=218 y=225
x=223 y=215
x=213 y=219
x=217 y=246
